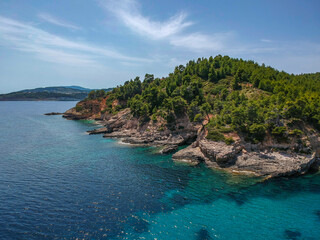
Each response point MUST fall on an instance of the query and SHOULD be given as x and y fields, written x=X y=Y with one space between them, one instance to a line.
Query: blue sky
x=103 y=43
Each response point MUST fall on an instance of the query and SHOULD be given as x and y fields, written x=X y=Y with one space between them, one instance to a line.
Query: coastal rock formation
x=241 y=156
x=168 y=149
x=192 y=155
x=219 y=152
x=238 y=159
x=53 y=113
x=274 y=164
x=100 y=131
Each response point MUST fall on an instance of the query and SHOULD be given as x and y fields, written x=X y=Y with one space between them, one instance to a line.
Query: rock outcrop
x=53 y=113
x=221 y=153
x=269 y=159
x=273 y=164
x=237 y=159
x=168 y=149
x=192 y=155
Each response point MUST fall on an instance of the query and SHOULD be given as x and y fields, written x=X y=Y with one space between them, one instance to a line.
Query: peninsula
x=69 y=93
x=234 y=114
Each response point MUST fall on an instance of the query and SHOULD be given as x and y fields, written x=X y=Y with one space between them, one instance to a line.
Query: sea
x=58 y=182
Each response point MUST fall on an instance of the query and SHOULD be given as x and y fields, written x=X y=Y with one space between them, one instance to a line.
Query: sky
x=103 y=43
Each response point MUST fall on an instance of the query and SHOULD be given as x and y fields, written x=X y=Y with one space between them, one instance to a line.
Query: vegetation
x=236 y=95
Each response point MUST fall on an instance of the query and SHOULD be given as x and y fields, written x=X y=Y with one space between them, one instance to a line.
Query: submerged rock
x=293 y=235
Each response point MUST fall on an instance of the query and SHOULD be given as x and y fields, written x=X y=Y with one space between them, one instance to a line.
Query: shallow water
x=57 y=182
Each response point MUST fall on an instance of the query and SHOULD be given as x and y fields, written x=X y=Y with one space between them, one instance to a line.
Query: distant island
x=234 y=114
x=69 y=93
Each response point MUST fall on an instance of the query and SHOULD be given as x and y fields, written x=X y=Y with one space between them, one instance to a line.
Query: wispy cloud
x=265 y=40
x=128 y=12
x=28 y=38
x=56 y=21
x=201 y=42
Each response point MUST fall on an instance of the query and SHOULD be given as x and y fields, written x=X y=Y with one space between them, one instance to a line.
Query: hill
x=72 y=93
x=229 y=108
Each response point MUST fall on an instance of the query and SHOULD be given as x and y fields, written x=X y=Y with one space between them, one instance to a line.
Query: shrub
x=198 y=118
x=296 y=132
x=229 y=140
x=279 y=131
x=226 y=129
x=257 y=131
x=78 y=108
x=154 y=118
x=161 y=129
x=215 y=135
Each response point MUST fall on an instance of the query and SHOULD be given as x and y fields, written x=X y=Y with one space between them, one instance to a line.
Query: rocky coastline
x=265 y=160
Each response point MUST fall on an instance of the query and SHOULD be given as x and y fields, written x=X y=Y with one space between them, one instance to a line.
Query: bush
x=154 y=118
x=296 y=132
x=215 y=135
x=229 y=140
x=226 y=129
x=161 y=129
x=279 y=131
x=257 y=131
x=78 y=108
x=198 y=118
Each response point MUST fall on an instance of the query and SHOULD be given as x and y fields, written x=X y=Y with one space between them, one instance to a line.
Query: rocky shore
x=53 y=113
x=268 y=160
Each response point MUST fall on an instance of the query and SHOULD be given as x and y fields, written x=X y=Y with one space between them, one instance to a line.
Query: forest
x=231 y=94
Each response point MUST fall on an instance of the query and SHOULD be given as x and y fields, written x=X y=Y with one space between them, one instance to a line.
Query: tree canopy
x=240 y=94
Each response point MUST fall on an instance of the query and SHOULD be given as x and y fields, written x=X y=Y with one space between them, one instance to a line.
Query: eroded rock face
x=235 y=158
x=72 y=114
x=190 y=154
x=219 y=152
x=100 y=131
x=273 y=164
x=168 y=149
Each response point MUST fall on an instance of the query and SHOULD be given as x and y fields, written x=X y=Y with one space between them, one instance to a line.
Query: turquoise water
x=57 y=182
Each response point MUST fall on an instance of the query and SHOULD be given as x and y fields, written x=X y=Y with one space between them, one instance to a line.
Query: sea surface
x=57 y=182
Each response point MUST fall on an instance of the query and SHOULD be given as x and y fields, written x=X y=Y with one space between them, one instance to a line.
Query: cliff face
x=270 y=158
x=132 y=130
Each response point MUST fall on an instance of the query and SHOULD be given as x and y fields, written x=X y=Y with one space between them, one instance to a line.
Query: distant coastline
x=72 y=93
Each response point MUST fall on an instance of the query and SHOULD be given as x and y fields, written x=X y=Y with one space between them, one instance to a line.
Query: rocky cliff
x=267 y=159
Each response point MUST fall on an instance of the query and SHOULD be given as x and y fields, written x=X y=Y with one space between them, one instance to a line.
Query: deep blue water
x=57 y=182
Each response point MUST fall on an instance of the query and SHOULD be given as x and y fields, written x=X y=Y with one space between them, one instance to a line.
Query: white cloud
x=127 y=11
x=59 y=22
x=52 y=48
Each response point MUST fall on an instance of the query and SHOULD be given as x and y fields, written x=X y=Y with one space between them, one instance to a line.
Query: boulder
x=189 y=155
x=219 y=152
x=168 y=149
